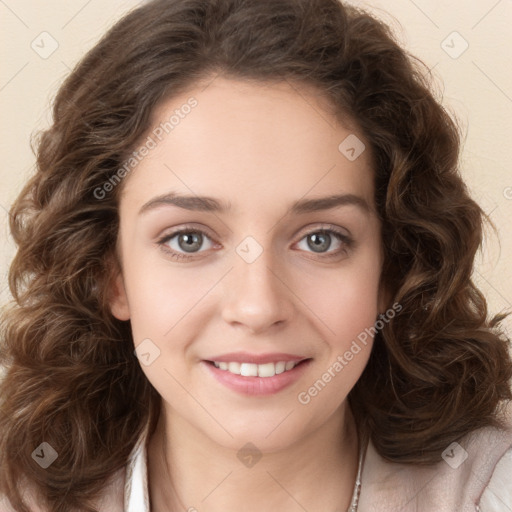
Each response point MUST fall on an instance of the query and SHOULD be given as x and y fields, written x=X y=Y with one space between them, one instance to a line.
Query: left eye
x=322 y=241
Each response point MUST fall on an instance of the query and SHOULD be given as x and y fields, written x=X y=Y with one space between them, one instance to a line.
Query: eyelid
x=323 y=226
x=196 y=228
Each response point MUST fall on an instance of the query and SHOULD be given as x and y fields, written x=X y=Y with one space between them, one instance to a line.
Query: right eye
x=183 y=243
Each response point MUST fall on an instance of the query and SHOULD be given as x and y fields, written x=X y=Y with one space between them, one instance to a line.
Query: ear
x=118 y=299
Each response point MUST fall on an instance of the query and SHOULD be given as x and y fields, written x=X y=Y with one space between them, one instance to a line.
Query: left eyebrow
x=326 y=203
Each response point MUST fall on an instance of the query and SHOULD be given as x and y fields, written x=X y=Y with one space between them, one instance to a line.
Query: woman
x=244 y=276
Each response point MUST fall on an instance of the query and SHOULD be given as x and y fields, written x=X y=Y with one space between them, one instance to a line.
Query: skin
x=259 y=147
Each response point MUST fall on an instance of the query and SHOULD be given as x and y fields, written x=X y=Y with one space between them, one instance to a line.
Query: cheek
x=346 y=300
x=161 y=294
x=353 y=311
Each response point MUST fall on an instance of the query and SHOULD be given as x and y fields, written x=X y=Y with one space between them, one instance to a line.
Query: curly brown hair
x=438 y=370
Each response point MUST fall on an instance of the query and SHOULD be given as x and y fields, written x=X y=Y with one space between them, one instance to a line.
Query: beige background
x=476 y=86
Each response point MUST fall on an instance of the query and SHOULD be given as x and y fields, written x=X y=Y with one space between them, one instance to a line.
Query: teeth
x=234 y=368
x=249 y=370
x=280 y=367
x=266 y=370
x=256 y=370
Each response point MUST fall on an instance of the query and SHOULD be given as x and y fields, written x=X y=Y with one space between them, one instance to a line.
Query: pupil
x=190 y=242
x=319 y=242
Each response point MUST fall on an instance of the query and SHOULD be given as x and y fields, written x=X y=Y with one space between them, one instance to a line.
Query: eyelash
x=347 y=242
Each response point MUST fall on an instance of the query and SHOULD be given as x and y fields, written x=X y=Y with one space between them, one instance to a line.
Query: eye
x=325 y=241
x=185 y=243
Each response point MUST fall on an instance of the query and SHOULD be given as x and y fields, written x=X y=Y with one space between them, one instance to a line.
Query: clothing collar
x=136 y=494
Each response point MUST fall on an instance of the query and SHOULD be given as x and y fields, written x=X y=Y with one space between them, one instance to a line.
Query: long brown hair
x=438 y=370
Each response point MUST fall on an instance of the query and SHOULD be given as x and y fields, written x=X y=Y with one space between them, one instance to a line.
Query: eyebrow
x=210 y=204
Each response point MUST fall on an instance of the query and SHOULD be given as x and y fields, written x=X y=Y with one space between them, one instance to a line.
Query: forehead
x=250 y=140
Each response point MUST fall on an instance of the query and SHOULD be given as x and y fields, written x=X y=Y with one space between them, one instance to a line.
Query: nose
x=256 y=295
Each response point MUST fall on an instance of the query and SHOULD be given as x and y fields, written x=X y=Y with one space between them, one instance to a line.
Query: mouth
x=249 y=378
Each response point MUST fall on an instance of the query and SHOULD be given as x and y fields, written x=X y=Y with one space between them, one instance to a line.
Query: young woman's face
x=278 y=263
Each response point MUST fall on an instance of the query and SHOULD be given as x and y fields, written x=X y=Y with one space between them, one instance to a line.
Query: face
x=250 y=257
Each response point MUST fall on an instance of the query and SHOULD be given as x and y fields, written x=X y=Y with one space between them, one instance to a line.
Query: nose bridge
x=255 y=295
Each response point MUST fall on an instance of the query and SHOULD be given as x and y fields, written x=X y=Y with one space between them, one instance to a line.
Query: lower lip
x=257 y=385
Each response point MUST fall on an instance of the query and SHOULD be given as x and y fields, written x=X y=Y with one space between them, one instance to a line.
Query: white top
x=497 y=496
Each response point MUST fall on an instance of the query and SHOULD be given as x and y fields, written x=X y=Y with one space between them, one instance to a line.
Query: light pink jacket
x=474 y=475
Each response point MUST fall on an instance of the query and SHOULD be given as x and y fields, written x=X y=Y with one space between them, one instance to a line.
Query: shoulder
x=498 y=492
x=494 y=448
x=466 y=477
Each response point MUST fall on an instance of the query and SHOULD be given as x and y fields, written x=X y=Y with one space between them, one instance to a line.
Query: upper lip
x=246 y=357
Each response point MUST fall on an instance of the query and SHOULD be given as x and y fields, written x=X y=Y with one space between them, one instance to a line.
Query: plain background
x=467 y=45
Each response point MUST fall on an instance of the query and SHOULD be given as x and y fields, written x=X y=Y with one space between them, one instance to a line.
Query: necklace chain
x=357 y=486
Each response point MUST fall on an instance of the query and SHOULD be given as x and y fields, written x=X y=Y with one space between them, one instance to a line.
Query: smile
x=262 y=378
x=256 y=370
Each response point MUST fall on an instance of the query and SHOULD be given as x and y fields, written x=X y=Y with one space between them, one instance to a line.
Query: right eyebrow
x=195 y=203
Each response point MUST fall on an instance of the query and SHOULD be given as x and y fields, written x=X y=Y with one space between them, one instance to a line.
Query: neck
x=189 y=471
